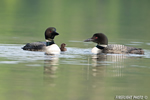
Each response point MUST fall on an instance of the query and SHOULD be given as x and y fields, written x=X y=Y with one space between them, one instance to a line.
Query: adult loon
x=49 y=47
x=103 y=46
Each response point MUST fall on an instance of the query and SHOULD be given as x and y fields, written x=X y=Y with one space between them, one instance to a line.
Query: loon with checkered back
x=49 y=47
x=103 y=46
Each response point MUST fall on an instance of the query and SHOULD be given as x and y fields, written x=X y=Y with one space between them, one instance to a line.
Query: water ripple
x=15 y=54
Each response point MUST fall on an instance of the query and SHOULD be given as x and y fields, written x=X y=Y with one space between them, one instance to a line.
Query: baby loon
x=62 y=48
x=49 y=47
x=104 y=47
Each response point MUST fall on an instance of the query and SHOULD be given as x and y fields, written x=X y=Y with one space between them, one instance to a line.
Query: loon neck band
x=101 y=46
x=49 y=42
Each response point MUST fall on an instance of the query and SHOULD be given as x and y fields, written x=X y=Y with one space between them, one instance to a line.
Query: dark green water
x=75 y=74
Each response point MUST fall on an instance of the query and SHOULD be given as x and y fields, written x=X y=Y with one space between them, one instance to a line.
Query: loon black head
x=50 y=33
x=98 y=38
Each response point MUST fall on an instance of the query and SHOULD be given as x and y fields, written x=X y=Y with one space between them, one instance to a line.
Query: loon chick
x=49 y=47
x=104 y=47
x=62 y=47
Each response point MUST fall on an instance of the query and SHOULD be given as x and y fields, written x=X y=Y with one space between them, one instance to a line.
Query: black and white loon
x=103 y=46
x=49 y=47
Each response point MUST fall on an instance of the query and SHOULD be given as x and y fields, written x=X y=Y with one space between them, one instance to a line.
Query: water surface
x=74 y=74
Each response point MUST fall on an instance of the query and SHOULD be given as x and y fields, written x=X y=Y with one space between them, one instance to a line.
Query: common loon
x=103 y=46
x=49 y=47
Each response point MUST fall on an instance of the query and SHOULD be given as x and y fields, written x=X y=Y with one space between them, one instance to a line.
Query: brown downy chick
x=62 y=48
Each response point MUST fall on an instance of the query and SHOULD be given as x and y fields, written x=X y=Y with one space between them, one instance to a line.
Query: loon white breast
x=49 y=47
x=103 y=46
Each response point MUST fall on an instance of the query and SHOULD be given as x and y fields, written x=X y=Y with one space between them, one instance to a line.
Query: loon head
x=50 y=33
x=98 y=38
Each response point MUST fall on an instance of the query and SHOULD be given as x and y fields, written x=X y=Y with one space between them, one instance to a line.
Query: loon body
x=35 y=46
x=49 y=47
x=104 y=47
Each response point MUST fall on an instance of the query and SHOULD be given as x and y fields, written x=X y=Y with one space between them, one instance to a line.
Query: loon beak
x=88 y=40
x=56 y=33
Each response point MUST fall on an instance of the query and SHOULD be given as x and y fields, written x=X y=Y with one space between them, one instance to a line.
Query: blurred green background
x=23 y=21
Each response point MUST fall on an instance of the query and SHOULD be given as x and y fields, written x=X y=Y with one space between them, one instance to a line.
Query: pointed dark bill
x=56 y=33
x=88 y=40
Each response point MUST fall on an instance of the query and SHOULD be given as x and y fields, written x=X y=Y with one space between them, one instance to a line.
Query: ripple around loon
x=14 y=54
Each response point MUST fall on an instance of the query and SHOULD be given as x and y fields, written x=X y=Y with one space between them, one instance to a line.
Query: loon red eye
x=96 y=37
x=50 y=31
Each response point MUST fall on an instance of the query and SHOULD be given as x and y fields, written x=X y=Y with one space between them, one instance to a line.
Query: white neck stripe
x=102 y=45
x=49 y=40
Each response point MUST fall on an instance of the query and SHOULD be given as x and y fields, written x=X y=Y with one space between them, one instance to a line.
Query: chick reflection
x=114 y=64
x=50 y=66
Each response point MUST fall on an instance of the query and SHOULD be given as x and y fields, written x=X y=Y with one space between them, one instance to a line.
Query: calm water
x=76 y=74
